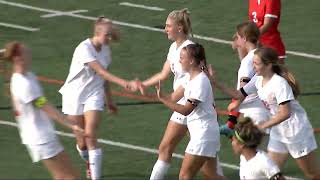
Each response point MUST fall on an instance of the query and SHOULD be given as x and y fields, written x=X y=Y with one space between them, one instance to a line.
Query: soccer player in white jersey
x=254 y=163
x=87 y=86
x=178 y=29
x=291 y=132
x=201 y=117
x=247 y=37
x=32 y=112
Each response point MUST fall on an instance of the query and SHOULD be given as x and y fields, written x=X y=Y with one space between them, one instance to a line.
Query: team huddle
x=266 y=123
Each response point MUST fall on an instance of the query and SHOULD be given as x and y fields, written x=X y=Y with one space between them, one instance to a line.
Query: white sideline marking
x=302 y=54
x=134 y=147
x=63 y=13
x=141 y=6
x=15 y=26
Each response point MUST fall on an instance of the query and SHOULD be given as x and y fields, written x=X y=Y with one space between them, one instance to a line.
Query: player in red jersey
x=266 y=14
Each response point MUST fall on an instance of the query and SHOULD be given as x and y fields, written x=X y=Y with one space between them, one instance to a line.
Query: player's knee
x=165 y=149
x=184 y=175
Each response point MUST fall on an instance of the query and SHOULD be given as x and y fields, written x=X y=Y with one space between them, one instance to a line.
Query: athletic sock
x=219 y=168
x=159 y=170
x=95 y=160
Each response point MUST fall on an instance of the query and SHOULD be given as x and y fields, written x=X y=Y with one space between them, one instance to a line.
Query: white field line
x=63 y=13
x=134 y=147
x=153 y=8
x=15 y=26
x=216 y=40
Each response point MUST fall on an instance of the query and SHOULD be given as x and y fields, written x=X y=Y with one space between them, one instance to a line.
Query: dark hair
x=270 y=56
x=249 y=133
x=250 y=31
x=196 y=51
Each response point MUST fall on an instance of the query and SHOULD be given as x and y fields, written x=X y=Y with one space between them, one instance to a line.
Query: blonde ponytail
x=182 y=17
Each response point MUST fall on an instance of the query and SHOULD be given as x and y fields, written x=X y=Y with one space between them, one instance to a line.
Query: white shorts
x=74 y=108
x=48 y=150
x=203 y=148
x=204 y=138
x=296 y=150
x=178 y=118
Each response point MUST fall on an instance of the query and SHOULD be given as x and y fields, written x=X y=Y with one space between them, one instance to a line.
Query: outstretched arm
x=160 y=76
x=53 y=113
x=168 y=101
x=105 y=74
x=283 y=113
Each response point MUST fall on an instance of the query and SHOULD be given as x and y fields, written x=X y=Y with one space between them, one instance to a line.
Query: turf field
x=130 y=138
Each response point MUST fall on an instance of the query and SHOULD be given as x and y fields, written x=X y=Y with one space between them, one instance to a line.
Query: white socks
x=83 y=153
x=159 y=170
x=95 y=160
x=219 y=168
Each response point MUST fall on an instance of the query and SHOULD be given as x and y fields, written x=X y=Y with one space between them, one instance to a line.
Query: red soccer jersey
x=258 y=10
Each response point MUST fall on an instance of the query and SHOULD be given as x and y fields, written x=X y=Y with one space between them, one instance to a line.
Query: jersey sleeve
x=198 y=91
x=251 y=87
x=273 y=8
x=248 y=70
x=284 y=92
x=86 y=55
x=27 y=92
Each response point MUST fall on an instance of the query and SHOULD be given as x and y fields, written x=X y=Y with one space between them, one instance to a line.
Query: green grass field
x=140 y=53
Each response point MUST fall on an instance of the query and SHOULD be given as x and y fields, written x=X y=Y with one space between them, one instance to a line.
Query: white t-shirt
x=35 y=127
x=251 y=104
x=180 y=77
x=199 y=88
x=82 y=81
x=276 y=91
x=258 y=167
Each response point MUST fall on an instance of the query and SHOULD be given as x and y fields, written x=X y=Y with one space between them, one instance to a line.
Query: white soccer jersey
x=180 y=77
x=273 y=93
x=82 y=81
x=202 y=121
x=199 y=88
x=35 y=127
x=258 y=167
x=252 y=105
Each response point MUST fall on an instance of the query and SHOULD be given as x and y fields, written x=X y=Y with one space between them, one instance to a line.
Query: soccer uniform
x=202 y=121
x=295 y=134
x=258 y=10
x=84 y=88
x=180 y=77
x=35 y=128
x=252 y=106
x=258 y=167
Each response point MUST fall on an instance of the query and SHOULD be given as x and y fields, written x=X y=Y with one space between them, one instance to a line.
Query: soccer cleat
x=88 y=172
